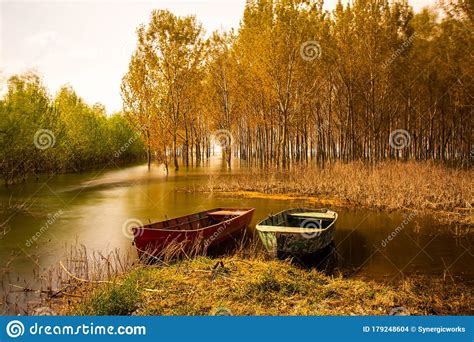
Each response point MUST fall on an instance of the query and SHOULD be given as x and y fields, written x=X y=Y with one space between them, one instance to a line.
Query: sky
x=87 y=44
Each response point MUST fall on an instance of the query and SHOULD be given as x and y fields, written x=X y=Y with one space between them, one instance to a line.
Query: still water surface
x=92 y=208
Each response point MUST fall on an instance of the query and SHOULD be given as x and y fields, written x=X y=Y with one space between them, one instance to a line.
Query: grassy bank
x=243 y=286
x=446 y=192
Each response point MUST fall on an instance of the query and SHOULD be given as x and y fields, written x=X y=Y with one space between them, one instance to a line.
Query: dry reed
x=390 y=185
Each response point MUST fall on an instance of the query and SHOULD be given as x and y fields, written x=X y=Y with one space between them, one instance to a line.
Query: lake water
x=92 y=208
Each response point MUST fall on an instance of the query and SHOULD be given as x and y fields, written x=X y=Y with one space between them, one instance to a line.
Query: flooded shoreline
x=91 y=208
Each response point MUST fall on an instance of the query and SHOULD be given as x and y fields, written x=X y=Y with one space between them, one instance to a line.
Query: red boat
x=195 y=232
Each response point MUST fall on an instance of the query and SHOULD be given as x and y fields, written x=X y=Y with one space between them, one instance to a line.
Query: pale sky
x=87 y=43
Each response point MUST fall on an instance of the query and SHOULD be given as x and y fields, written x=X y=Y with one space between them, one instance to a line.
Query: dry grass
x=205 y=286
x=46 y=286
x=390 y=185
x=244 y=282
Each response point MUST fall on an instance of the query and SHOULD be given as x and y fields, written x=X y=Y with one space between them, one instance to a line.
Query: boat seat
x=297 y=219
x=227 y=213
x=310 y=215
x=178 y=225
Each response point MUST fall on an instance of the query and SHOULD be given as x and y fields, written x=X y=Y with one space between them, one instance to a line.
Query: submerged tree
x=162 y=76
x=45 y=134
x=370 y=81
x=221 y=86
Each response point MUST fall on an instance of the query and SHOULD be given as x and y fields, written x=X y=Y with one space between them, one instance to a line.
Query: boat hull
x=294 y=243
x=276 y=237
x=195 y=232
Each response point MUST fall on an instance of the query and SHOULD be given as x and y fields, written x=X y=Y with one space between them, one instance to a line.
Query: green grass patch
x=204 y=286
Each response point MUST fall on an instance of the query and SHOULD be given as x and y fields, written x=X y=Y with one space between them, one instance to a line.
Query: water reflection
x=325 y=260
x=95 y=205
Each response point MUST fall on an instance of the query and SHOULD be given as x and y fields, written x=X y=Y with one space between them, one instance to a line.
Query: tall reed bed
x=388 y=185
